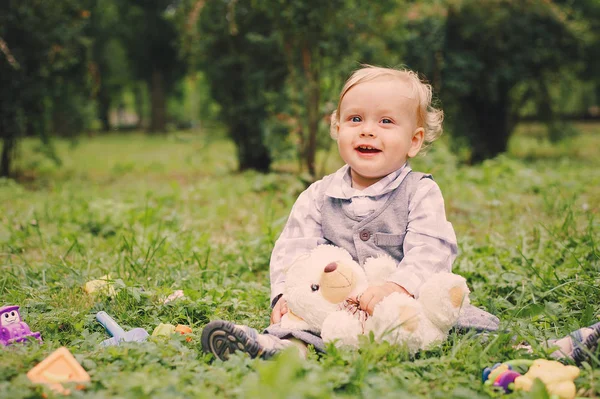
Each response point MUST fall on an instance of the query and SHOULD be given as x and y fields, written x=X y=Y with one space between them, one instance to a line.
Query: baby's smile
x=367 y=149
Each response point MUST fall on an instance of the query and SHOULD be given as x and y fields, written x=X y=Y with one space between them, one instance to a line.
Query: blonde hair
x=428 y=117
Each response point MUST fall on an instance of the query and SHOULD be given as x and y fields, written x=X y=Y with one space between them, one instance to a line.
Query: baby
x=374 y=204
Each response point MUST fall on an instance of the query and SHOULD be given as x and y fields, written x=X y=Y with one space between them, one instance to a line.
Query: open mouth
x=367 y=149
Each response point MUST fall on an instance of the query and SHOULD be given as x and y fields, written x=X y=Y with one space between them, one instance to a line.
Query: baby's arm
x=430 y=243
x=301 y=233
x=279 y=310
x=375 y=294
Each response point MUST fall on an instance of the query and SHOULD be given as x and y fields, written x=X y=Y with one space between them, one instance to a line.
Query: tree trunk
x=251 y=152
x=312 y=98
x=158 y=122
x=139 y=103
x=104 y=110
x=492 y=128
x=314 y=95
x=8 y=147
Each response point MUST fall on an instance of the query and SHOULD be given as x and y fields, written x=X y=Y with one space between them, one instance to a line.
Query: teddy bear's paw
x=379 y=268
x=443 y=296
x=397 y=319
x=342 y=328
x=396 y=333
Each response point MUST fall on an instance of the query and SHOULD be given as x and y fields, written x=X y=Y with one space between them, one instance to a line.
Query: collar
x=341 y=184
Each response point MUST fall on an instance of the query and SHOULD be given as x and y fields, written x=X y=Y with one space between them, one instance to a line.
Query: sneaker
x=222 y=338
x=585 y=348
x=578 y=346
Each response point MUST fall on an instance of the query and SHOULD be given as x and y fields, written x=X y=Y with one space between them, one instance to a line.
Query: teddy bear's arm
x=342 y=327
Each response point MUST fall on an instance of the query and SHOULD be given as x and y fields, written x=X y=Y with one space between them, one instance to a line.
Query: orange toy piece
x=60 y=366
x=184 y=330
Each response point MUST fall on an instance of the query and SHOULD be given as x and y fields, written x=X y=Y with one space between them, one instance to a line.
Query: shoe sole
x=222 y=338
x=588 y=347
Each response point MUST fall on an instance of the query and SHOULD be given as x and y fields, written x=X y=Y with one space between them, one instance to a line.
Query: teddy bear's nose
x=330 y=267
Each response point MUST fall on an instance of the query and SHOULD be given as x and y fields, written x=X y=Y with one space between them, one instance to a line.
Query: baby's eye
x=356 y=119
x=386 y=120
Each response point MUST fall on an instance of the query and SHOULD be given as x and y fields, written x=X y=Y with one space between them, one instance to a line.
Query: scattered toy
x=118 y=334
x=558 y=378
x=60 y=367
x=163 y=330
x=175 y=295
x=166 y=330
x=102 y=285
x=183 y=330
x=13 y=328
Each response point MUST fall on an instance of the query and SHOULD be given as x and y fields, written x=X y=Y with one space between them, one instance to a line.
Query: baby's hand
x=375 y=293
x=279 y=310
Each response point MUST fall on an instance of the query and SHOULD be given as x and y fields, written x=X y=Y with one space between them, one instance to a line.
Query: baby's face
x=377 y=130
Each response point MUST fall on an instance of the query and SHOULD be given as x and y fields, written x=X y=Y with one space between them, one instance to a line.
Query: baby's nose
x=330 y=267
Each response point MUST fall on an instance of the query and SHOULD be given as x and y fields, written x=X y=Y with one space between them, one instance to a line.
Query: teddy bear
x=323 y=287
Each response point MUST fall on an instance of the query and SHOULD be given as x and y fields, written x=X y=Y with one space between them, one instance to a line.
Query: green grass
x=167 y=213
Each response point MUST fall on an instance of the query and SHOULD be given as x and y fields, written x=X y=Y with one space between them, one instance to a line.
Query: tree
x=488 y=58
x=313 y=45
x=110 y=69
x=243 y=64
x=322 y=41
x=43 y=70
x=587 y=12
x=151 y=40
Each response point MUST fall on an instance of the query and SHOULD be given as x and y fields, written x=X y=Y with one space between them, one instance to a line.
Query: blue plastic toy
x=118 y=334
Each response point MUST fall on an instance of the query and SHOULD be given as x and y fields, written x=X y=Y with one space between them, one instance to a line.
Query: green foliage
x=273 y=65
x=45 y=87
x=489 y=58
x=243 y=64
x=322 y=42
x=161 y=213
x=587 y=14
x=110 y=64
x=150 y=36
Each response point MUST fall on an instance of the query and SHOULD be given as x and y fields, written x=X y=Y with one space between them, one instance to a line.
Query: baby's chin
x=359 y=175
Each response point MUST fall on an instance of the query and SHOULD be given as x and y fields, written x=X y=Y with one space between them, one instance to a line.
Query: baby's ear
x=334 y=127
x=416 y=142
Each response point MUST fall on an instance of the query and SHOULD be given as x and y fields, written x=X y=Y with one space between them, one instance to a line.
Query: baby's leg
x=578 y=345
x=301 y=345
x=300 y=338
x=222 y=338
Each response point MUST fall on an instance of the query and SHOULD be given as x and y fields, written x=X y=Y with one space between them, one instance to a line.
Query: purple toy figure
x=12 y=329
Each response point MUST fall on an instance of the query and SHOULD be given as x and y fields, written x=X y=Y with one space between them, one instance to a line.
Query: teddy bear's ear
x=379 y=268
